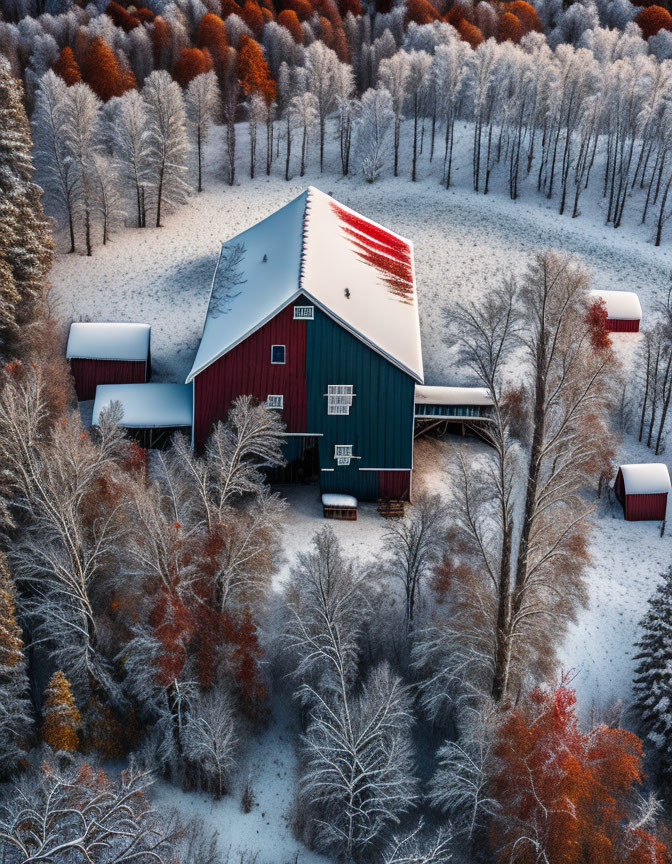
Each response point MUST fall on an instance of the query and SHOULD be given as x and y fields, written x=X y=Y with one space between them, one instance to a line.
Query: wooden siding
x=380 y=423
x=247 y=369
x=621 y=325
x=394 y=484
x=640 y=508
x=88 y=374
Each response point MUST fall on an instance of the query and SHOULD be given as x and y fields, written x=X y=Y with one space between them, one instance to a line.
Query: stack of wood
x=391 y=508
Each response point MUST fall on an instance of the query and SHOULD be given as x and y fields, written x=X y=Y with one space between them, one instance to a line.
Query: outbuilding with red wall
x=108 y=353
x=624 y=312
x=643 y=490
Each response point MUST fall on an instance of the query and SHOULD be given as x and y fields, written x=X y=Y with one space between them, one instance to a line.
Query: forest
x=143 y=639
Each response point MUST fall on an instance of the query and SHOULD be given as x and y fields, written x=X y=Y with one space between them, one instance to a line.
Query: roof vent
x=265 y=258
x=347 y=293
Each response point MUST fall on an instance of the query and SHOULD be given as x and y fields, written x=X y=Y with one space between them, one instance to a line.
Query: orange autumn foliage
x=600 y=335
x=160 y=36
x=652 y=19
x=121 y=17
x=302 y=8
x=102 y=72
x=569 y=790
x=62 y=720
x=253 y=72
x=229 y=7
x=145 y=15
x=190 y=63
x=66 y=67
x=252 y=15
x=289 y=20
x=526 y=14
x=211 y=34
x=421 y=12
x=353 y=6
x=268 y=15
x=469 y=33
x=509 y=28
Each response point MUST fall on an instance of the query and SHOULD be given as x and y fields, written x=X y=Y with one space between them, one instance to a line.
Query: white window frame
x=284 y=355
x=343 y=460
x=304 y=313
x=278 y=401
x=339 y=398
x=343 y=450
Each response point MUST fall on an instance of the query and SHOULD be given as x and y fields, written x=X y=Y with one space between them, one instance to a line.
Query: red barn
x=642 y=491
x=108 y=354
x=623 y=310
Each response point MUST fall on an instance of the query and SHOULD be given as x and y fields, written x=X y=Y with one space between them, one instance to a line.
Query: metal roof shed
x=152 y=412
x=643 y=490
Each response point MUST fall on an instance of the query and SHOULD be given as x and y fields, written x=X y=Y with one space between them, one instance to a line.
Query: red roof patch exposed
x=390 y=255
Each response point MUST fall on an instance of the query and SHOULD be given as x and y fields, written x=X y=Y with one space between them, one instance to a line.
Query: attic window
x=275 y=401
x=306 y=313
x=277 y=354
x=342 y=451
x=339 y=398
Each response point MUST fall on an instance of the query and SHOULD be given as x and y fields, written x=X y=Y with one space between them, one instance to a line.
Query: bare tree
x=211 y=737
x=415 y=545
x=415 y=848
x=56 y=814
x=203 y=106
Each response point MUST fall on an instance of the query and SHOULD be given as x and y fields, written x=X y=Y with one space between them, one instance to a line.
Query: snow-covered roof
x=356 y=271
x=147 y=406
x=93 y=341
x=334 y=499
x=649 y=478
x=621 y=305
x=426 y=395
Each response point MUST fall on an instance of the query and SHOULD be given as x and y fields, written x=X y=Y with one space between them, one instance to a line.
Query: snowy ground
x=464 y=245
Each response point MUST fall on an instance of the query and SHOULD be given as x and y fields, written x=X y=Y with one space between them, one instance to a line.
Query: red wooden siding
x=247 y=369
x=640 y=508
x=89 y=373
x=621 y=325
x=394 y=484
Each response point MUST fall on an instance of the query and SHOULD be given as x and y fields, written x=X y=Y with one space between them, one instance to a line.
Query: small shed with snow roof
x=108 y=353
x=624 y=311
x=643 y=490
x=152 y=413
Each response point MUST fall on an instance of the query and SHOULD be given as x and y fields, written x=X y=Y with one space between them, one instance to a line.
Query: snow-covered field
x=464 y=245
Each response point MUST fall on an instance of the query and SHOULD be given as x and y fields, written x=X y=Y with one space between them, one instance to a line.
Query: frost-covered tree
x=418 y=67
x=203 y=107
x=211 y=738
x=79 y=134
x=373 y=127
x=25 y=245
x=393 y=75
x=417 y=848
x=108 y=202
x=168 y=144
x=322 y=65
x=132 y=148
x=59 y=812
x=257 y=111
x=348 y=109
x=304 y=107
x=69 y=528
x=62 y=720
x=15 y=709
x=653 y=677
x=358 y=779
x=415 y=546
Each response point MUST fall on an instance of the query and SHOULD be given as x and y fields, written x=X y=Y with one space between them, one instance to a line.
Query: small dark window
x=277 y=354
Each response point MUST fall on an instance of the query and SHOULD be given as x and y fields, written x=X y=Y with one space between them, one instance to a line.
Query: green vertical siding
x=380 y=422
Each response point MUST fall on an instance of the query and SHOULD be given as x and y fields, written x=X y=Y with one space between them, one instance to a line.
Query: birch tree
x=203 y=106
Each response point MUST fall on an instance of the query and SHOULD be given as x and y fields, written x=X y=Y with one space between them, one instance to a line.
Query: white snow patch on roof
x=94 y=341
x=648 y=478
x=147 y=406
x=334 y=499
x=309 y=246
x=426 y=395
x=621 y=305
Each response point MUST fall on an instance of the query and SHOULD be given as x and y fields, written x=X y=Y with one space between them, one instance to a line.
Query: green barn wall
x=380 y=422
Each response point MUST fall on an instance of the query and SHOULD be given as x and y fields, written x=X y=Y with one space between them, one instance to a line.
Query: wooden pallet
x=391 y=508
x=349 y=513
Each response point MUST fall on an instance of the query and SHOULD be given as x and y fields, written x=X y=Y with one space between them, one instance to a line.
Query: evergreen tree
x=653 y=676
x=15 y=714
x=62 y=719
x=25 y=243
